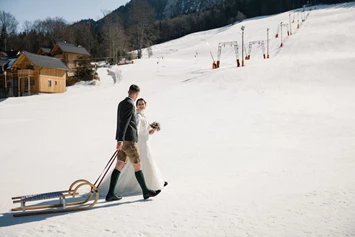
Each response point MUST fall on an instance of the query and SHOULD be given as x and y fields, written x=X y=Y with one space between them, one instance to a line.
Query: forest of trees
x=137 y=25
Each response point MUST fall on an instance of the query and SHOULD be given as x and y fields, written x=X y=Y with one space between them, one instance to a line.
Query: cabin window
x=49 y=83
x=32 y=82
x=55 y=83
x=29 y=66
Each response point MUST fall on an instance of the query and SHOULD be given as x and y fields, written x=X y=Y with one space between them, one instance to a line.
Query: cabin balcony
x=25 y=73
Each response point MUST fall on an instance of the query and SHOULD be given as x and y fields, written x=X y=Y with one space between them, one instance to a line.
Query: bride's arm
x=141 y=123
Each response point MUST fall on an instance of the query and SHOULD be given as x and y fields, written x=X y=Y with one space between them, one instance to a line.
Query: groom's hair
x=133 y=89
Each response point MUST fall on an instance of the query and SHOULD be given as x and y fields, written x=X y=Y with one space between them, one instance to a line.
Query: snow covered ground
x=261 y=150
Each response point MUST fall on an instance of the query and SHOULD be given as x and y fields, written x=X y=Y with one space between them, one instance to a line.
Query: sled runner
x=62 y=206
x=75 y=203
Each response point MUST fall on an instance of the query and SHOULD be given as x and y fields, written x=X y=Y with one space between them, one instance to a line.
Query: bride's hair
x=141 y=99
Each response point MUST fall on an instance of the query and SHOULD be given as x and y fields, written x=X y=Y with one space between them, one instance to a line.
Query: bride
x=127 y=184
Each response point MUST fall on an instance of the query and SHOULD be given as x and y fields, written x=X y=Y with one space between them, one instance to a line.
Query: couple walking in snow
x=132 y=135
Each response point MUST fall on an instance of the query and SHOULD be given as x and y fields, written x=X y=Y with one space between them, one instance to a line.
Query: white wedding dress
x=127 y=183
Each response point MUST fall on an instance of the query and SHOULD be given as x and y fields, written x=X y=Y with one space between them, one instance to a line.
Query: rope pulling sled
x=63 y=205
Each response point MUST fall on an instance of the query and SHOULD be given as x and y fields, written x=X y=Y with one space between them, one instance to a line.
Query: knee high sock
x=114 y=177
x=141 y=181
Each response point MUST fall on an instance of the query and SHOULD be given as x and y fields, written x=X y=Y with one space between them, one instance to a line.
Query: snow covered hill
x=261 y=150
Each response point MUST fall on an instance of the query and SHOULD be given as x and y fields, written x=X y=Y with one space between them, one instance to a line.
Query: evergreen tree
x=84 y=70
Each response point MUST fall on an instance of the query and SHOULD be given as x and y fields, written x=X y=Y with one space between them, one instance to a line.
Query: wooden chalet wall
x=70 y=60
x=52 y=80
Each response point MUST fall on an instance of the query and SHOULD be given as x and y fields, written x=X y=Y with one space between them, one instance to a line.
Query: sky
x=70 y=10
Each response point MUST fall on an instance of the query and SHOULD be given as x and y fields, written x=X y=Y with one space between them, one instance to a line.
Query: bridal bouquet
x=155 y=126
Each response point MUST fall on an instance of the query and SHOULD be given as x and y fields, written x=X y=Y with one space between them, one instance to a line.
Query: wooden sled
x=62 y=206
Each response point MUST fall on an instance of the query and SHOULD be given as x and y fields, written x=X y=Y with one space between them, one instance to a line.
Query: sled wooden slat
x=64 y=195
x=69 y=192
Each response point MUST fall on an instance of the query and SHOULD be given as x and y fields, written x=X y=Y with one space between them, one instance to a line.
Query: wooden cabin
x=44 y=51
x=69 y=53
x=38 y=74
x=3 y=64
x=8 y=77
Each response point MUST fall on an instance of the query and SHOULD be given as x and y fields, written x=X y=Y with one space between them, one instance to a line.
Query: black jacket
x=126 y=121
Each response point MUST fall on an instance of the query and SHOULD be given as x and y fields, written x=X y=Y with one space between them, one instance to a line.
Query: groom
x=127 y=138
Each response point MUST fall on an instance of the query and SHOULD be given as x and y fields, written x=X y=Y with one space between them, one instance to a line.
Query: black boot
x=151 y=193
x=147 y=193
x=110 y=198
x=110 y=195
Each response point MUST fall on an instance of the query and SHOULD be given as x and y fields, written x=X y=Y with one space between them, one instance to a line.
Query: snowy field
x=262 y=150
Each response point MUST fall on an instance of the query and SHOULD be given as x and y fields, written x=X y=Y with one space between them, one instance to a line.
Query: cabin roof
x=72 y=48
x=46 y=50
x=45 y=61
x=11 y=61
